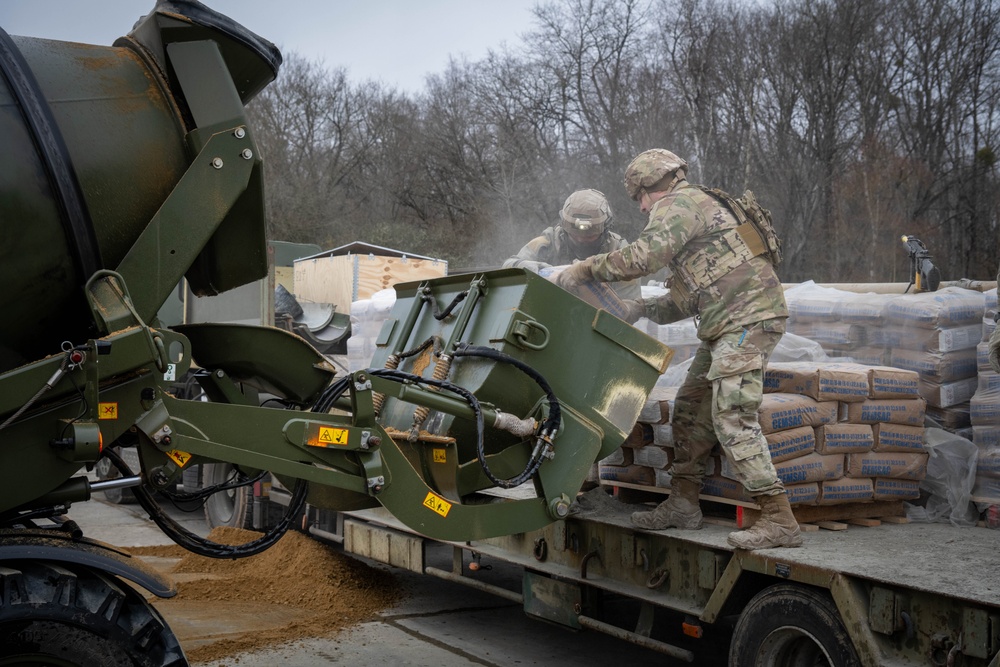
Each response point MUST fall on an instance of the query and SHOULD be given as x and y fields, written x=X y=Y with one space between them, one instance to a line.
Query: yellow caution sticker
x=437 y=503
x=440 y=455
x=107 y=410
x=332 y=436
x=178 y=457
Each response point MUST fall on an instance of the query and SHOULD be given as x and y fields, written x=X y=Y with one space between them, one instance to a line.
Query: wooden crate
x=350 y=276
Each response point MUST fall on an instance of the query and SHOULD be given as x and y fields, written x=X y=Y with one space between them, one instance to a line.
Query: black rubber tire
x=64 y=614
x=789 y=625
x=233 y=508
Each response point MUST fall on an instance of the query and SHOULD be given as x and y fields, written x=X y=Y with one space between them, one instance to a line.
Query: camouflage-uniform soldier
x=740 y=304
x=583 y=230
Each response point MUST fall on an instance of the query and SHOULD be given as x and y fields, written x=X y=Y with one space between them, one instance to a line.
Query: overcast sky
x=397 y=42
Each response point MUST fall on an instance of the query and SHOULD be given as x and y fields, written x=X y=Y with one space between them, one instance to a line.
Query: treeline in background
x=854 y=121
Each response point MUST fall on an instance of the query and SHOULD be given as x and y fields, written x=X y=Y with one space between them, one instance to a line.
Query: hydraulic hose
x=440 y=315
x=554 y=420
x=548 y=428
x=199 y=545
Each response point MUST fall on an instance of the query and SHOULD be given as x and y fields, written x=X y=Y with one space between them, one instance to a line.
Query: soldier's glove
x=995 y=349
x=531 y=265
x=634 y=309
x=574 y=275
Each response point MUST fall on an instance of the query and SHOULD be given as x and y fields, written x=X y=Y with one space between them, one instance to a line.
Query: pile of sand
x=299 y=573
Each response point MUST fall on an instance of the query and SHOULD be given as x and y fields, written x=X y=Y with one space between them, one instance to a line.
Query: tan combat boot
x=680 y=510
x=776 y=526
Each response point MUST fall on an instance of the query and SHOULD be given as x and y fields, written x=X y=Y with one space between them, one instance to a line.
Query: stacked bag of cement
x=838 y=432
x=932 y=333
x=647 y=453
x=867 y=427
x=936 y=334
x=984 y=412
x=839 y=321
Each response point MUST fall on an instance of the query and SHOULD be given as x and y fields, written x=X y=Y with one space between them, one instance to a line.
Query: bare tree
x=854 y=121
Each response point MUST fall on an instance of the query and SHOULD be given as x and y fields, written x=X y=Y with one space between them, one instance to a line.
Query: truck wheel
x=791 y=626
x=67 y=615
x=234 y=507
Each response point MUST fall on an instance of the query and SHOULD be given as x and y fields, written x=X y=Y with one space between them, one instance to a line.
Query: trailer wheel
x=67 y=615
x=791 y=626
x=234 y=507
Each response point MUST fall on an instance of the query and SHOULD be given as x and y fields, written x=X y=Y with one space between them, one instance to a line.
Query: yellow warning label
x=438 y=504
x=332 y=436
x=107 y=410
x=440 y=455
x=179 y=457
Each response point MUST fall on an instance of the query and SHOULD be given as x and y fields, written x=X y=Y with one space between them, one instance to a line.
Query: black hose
x=554 y=420
x=551 y=424
x=440 y=315
x=331 y=394
x=433 y=340
x=200 y=545
x=203 y=494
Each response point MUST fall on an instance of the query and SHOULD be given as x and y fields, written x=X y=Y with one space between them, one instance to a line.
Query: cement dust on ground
x=298 y=588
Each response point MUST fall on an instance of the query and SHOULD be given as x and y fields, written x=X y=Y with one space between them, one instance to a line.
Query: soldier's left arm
x=671 y=223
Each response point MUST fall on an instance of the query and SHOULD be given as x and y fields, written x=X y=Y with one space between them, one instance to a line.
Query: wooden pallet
x=839 y=517
x=742 y=514
x=991 y=520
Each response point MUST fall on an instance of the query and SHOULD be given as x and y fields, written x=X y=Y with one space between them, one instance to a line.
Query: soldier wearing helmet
x=730 y=286
x=584 y=229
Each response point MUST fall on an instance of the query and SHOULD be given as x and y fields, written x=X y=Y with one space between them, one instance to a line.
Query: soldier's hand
x=995 y=349
x=574 y=275
x=634 y=309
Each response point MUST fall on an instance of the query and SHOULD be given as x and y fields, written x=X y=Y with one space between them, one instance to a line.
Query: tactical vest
x=753 y=236
x=760 y=234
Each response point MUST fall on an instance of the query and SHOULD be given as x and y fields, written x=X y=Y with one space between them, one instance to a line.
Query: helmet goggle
x=584 y=228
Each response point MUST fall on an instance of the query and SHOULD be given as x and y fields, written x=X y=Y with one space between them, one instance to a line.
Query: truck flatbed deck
x=892 y=584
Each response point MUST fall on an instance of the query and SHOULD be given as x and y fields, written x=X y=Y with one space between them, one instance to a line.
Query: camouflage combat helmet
x=586 y=213
x=649 y=168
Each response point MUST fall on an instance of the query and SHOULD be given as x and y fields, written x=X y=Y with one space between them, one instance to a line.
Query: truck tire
x=788 y=625
x=61 y=614
x=232 y=508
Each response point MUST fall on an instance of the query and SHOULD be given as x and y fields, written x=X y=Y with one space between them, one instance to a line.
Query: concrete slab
x=367 y=644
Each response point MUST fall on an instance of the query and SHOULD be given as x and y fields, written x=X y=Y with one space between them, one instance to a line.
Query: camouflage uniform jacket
x=553 y=248
x=688 y=220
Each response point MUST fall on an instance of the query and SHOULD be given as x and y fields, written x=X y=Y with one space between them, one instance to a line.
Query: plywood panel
x=376 y=273
x=343 y=279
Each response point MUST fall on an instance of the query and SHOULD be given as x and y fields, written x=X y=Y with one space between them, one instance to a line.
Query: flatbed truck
x=874 y=595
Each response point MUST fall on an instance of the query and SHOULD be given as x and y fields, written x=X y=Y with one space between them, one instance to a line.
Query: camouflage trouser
x=718 y=402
